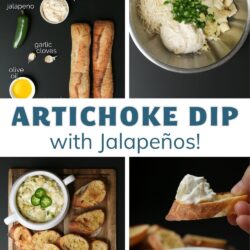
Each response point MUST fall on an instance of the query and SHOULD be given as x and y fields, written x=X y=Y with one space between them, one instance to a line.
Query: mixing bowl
x=220 y=51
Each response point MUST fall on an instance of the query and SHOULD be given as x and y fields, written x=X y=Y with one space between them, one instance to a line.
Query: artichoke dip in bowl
x=39 y=200
x=189 y=36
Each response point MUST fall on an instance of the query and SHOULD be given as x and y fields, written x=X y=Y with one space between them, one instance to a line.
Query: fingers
x=242 y=217
x=243 y=221
x=232 y=220
x=243 y=186
x=242 y=208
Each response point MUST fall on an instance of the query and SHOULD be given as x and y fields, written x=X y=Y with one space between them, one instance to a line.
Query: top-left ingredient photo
x=62 y=49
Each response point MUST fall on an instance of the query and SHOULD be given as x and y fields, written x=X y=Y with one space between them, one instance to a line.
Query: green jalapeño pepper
x=21 y=30
x=46 y=201
x=35 y=201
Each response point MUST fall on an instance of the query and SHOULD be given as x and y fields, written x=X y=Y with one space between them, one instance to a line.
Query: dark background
x=52 y=79
x=231 y=80
x=153 y=186
x=54 y=165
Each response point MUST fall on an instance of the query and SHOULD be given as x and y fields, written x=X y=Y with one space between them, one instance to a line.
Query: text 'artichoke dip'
x=194 y=190
x=37 y=213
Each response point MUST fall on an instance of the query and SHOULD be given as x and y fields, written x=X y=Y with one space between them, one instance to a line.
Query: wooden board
x=83 y=177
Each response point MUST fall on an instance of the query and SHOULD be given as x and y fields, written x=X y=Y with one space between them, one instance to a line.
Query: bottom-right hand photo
x=189 y=203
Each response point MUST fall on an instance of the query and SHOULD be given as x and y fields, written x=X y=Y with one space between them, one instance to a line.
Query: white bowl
x=18 y=217
x=51 y=22
x=33 y=88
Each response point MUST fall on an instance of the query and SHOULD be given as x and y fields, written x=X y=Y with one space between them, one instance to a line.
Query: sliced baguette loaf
x=88 y=222
x=163 y=239
x=90 y=195
x=223 y=205
x=73 y=242
x=137 y=234
x=202 y=241
x=99 y=245
x=51 y=247
x=22 y=237
x=45 y=237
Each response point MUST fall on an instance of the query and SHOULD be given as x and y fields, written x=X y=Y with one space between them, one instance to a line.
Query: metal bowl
x=219 y=53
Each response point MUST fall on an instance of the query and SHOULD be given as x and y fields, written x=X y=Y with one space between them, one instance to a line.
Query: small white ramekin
x=33 y=91
x=18 y=217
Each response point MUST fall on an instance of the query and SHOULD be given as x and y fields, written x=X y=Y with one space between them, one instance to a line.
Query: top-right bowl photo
x=189 y=36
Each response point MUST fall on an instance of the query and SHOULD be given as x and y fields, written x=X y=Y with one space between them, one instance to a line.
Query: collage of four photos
x=77 y=49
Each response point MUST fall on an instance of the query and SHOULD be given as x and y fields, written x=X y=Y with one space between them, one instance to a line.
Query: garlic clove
x=49 y=59
x=31 y=57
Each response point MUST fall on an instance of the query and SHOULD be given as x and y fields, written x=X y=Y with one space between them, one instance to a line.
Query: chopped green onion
x=189 y=11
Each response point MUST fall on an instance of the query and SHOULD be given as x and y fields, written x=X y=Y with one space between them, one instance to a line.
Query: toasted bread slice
x=99 y=245
x=50 y=247
x=88 y=222
x=45 y=237
x=202 y=241
x=223 y=205
x=163 y=239
x=73 y=242
x=22 y=237
x=90 y=195
x=137 y=234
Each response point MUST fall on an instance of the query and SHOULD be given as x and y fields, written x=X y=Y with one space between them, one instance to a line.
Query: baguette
x=90 y=195
x=73 y=242
x=39 y=239
x=99 y=245
x=22 y=237
x=223 y=205
x=79 y=84
x=137 y=234
x=88 y=222
x=202 y=241
x=102 y=59
x=163 y=239
x=51 y=247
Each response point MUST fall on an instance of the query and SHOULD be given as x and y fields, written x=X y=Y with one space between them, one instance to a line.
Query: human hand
x=242 y=208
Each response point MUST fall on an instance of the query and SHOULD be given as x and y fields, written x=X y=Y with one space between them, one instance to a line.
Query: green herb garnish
x=190 y=11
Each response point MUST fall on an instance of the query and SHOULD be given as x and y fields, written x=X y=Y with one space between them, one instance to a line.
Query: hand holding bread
x=195 y=200
x=242 y=208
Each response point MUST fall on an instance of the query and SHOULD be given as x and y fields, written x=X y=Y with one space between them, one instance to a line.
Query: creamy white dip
x=182 y=38
x=55 y=11
x=194 y=190
x=36 y=213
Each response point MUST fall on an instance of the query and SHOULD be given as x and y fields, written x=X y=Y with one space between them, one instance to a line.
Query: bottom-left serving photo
x=62 y=203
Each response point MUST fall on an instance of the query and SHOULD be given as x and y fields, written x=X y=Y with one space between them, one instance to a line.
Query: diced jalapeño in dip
x=39 y=199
